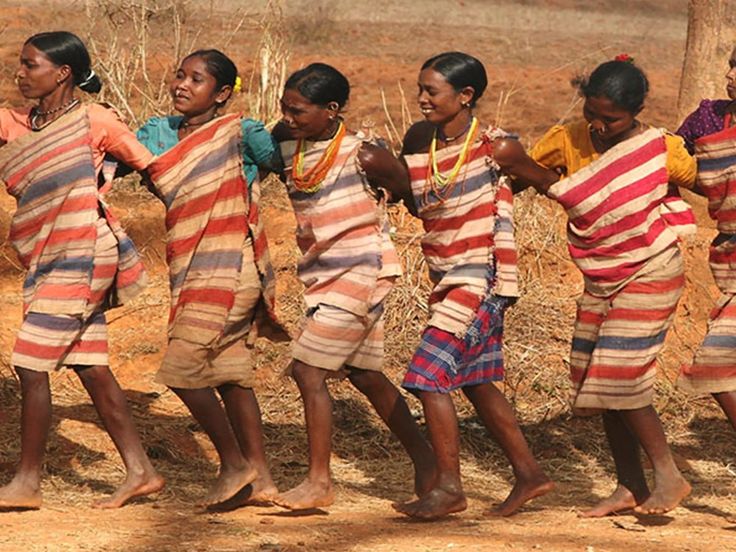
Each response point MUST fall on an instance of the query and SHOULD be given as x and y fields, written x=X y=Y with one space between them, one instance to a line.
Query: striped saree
x=342 y=232
x=348 y=262
x=622 y=232
x=714 y=367
x=469 y=240
x=77 y=263
x=471 y=253
x=209 y=215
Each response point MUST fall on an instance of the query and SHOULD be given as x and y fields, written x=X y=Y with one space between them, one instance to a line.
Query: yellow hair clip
x=238 y=86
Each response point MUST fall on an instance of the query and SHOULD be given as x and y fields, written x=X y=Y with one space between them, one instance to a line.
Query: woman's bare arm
x=384 y=171
x=514 y=161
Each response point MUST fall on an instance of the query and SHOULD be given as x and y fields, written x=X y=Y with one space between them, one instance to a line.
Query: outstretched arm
x=514 y=161
x=386 y=172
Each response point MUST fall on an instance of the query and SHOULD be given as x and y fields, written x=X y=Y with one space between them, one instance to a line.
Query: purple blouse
x=709 y=118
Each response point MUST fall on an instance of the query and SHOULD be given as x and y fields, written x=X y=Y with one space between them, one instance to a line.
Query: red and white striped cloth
x=52 y=176
x=342 y=231
x=716 y=155
x=469 y=240
x=622 y=212
x=713 y=369
x=209 y=216
x=78 y=263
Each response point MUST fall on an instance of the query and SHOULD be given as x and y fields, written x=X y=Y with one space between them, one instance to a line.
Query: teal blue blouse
x=260 y=150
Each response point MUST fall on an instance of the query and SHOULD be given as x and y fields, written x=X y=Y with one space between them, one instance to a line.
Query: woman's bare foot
x=522 y=492
x=229 y=483
x=665 y=497
x=264 y=491
x=259 y=493
x=621 y=499
x=435 y=504
x=307 y=495
x=20 y=495
x=134 y=485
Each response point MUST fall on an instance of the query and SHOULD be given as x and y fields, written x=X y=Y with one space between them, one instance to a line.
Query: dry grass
x=266 y=84
x=83 y=463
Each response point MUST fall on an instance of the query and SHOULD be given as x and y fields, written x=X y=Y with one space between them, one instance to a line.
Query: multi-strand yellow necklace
x=435 y=178
x=312 y=180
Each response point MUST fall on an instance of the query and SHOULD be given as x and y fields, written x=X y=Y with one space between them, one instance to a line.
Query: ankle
x=30 y=479
x=320 y=480
x=449 y=482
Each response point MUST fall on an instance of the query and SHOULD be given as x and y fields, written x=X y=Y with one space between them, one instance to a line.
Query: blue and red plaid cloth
x=444 y=362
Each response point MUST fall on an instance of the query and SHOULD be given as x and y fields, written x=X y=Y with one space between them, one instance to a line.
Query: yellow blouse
x=570 y=148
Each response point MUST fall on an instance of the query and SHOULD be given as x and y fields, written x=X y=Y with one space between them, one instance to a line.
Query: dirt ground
x=531 y=49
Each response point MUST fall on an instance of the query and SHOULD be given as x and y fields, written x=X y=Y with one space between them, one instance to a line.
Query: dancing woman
x=79 y=262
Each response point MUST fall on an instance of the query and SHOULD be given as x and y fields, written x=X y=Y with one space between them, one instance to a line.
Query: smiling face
x=610 y=122
x=38 y=76
x=731 y=76
x=438 y=100
x=194 y=90
x=305 y=119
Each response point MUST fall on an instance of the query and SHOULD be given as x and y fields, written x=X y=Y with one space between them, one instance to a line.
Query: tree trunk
x=711 y=37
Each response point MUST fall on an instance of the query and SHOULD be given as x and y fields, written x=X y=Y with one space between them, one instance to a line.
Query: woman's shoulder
x=574 y=131
x=14 y=115
x=674 y=142
x=14 y=112
x=159 y=133
x=710 y=106
x=558 y=136
x=252 y=125
x=14 y=122
x=168 y=122
x=418 y=138
x=103 y=112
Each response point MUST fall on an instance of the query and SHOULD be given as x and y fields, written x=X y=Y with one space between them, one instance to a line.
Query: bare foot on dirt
x=18 y=495
x=135 y=485
x=424 y=478
x=264 y=491
x=259 y=493
x=435 y=504
x=621 y=500
x=307 y=495
x=229 y=483
x=665 y=497
x=522 y=493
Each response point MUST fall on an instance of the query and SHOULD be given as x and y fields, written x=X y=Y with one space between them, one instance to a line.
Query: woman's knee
x=32 y=378
x=365 y=380
x=93 y=375
x=308 y=378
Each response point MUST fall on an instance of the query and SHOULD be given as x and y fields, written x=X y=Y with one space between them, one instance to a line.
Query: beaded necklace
x=435 y=178
x=36 y=113
x=312 y=180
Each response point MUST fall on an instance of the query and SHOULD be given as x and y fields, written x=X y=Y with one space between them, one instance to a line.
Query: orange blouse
x=109 y=135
